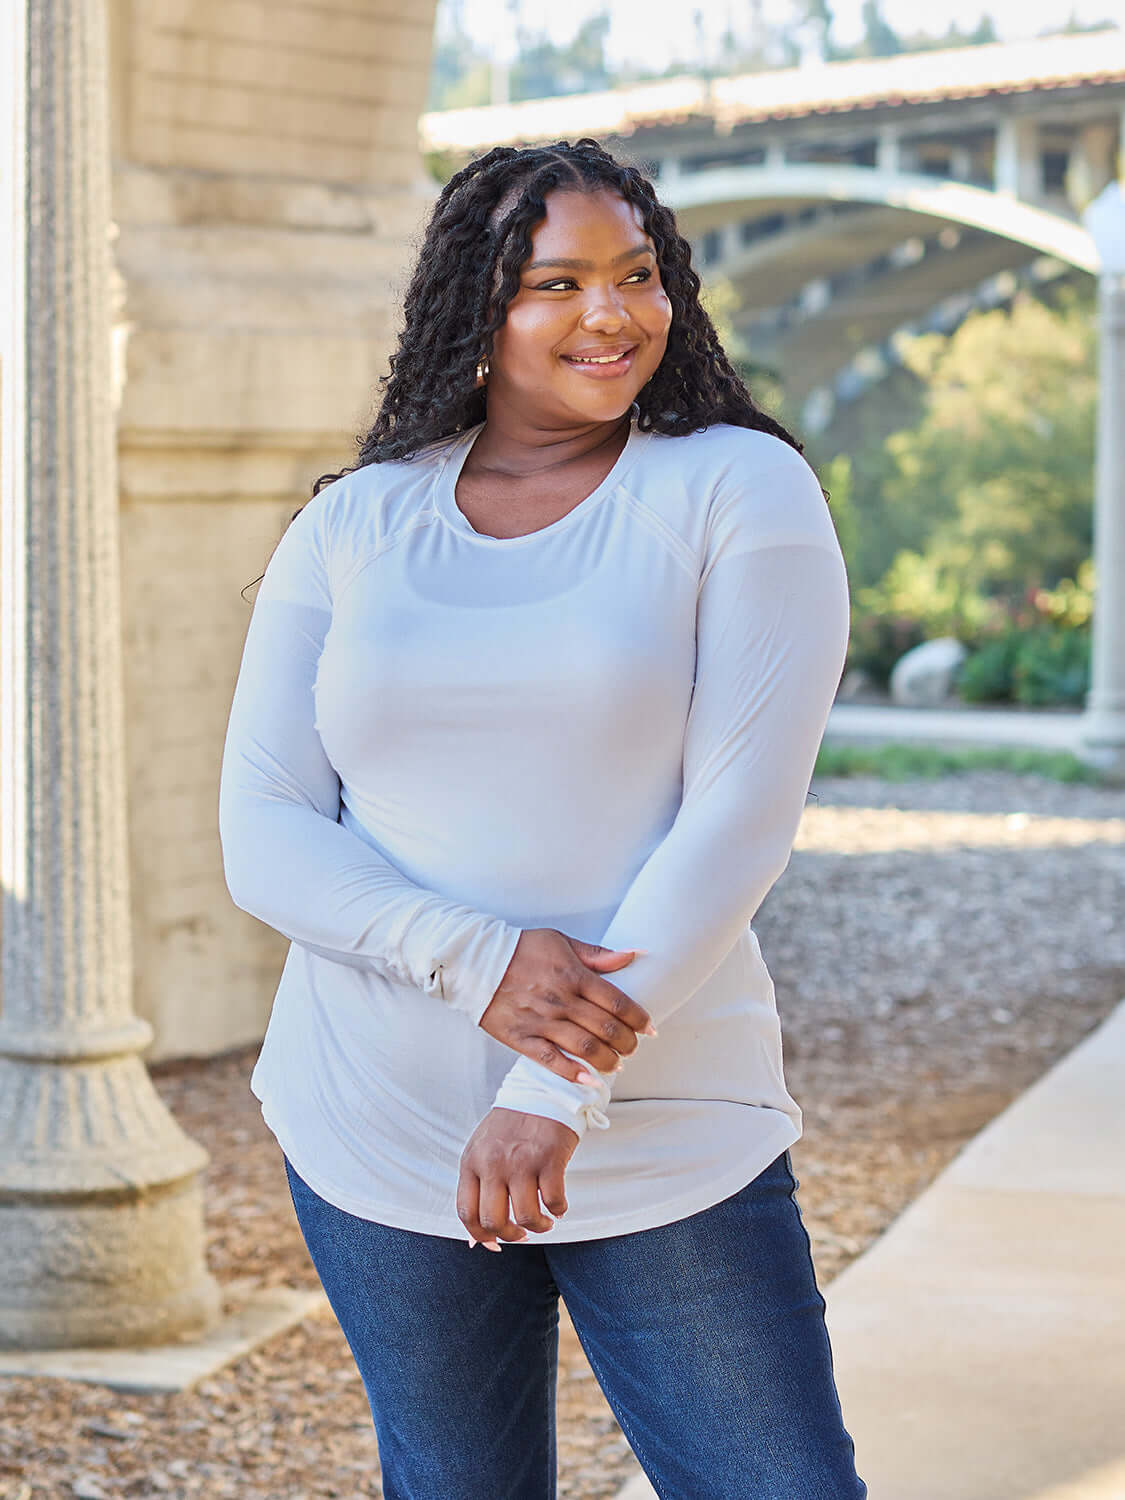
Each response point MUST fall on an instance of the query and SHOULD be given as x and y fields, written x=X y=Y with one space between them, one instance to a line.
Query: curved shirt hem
x=651 y=1216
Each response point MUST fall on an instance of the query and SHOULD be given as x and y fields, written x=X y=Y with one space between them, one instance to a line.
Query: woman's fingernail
x=490 y=1244
x=637 y=951
x=585 y=1077
x=650 y=1030
x=472 y=1243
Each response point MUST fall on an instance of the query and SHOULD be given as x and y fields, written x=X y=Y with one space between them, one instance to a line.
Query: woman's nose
x=605 y=311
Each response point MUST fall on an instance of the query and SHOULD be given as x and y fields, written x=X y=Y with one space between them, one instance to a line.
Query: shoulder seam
x=425 y=518
x=680 y=551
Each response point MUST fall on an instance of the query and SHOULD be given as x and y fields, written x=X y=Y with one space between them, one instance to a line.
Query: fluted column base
x=101 y=1217
x=1102 y=742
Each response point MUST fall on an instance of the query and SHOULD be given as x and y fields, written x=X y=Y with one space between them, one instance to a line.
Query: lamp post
x=101 y=1234
x=1102 y=732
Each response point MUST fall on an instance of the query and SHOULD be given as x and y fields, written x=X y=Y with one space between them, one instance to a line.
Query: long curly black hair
x=468 y=270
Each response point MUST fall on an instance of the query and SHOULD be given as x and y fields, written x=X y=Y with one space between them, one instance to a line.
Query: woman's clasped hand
x=552 y=997
x=552 y=1000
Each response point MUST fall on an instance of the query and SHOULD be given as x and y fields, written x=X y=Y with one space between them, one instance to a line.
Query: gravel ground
x=935 y=945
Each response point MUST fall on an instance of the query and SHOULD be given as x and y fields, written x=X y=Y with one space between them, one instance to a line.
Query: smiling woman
x=622 y=274
x=609 y=318
x=583 y=345
x=530 y=698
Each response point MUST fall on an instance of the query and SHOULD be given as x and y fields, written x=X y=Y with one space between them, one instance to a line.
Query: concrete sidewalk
x=980 y=1342
x=1032 y=729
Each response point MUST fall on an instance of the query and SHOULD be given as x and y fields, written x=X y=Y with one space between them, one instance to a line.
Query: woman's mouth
x=602 y=366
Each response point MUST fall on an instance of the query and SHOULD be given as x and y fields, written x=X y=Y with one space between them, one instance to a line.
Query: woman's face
x=590 y=287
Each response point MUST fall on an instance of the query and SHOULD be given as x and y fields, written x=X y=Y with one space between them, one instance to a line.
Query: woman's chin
x=608 y=407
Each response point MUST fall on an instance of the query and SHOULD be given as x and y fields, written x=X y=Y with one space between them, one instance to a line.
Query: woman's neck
x=519 y=450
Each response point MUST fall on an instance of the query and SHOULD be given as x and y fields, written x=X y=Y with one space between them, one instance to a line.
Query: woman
x=531 y=696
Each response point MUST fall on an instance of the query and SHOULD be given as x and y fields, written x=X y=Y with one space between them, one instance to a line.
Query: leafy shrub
x=1035 y=651
x=986 y=675
x=1033 y=648
x=1052 y=666
x=1035 y=665
x=1070 y=602
x=932 y=594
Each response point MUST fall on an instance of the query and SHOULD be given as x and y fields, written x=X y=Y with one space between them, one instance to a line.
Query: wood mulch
x=934 y=945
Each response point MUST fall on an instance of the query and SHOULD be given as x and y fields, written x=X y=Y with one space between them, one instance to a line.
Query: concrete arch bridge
x=849 y=202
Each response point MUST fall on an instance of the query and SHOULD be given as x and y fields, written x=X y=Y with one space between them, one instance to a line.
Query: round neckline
x=445 y=490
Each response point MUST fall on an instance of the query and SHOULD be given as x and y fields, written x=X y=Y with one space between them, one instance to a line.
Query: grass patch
x=901 y=762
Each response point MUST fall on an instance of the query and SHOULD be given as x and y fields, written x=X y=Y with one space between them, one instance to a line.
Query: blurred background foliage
x=975 y=521
x=974 y=518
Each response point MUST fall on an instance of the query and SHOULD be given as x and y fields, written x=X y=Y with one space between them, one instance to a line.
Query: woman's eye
x=550 y=286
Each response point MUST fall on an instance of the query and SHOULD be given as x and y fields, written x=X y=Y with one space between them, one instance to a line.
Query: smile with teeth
x=595 y=361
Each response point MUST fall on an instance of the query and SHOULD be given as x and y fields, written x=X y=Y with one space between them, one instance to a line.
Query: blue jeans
x=707 y=1336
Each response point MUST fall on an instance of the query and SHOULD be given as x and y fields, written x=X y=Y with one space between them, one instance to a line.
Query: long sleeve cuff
x=467 y=975
x=534 y=1090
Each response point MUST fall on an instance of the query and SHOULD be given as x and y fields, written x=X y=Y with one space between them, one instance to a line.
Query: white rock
x=923 y=677
x=87 y=1487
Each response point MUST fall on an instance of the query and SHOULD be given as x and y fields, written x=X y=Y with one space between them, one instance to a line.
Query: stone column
x=730 y=244
x=1103 y=725
x=961 y=164
x=101 y=1234
x=1017 y=171
x=888 y=149
x=1090 y=164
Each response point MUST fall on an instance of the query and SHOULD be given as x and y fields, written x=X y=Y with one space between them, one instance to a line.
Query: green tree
x=808 y=27
x=460 y=71
x=880 y=39
x=721 y=300
x=953 y=36
x=992 y=491
x=859 y=431
x=545 y=68
x=1073 y=26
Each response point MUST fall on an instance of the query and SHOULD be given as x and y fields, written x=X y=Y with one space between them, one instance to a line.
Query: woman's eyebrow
x=588 y=265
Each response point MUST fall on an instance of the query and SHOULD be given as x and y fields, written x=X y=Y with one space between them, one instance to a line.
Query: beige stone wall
x=325 y=91
x=267 y=186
